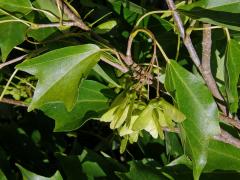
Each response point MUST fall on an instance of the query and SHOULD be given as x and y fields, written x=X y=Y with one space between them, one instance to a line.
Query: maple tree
x=119 y=89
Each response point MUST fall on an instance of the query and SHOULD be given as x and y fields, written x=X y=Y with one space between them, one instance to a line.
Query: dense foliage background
x=119 y=89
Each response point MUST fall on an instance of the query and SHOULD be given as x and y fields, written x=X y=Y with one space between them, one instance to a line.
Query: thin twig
x=224 y=136
x=228 y=138
x=191 y=50
x=64 y=23
x=8 y=83
x=2 y=65
x=72 y=16
x=13 y=102
x=116 y=65
x=233 y=122
x=206 y=66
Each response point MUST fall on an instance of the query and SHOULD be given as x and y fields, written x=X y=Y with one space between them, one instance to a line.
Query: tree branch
x=206 y=66
x=13 y=102
x=193 y=54
x=127 y=59
x=116 y=65
x=2 y=65
x=64 y=23
x=228 y=138
x=233 y=122
x=204 y=69
x=186 y=38
x=224 y=136
x=72 y=16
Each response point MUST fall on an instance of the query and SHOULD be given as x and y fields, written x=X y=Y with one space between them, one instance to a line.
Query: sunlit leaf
x=93 y=98
x=104 y=75
x=196 y=102
x=11 y=35
x=17 y=6
x=222 y=156
x=105 y=27
x=219 y=12
x=60 y=72
x=171 y=111
x=232 y=73
x=27 y=175
x=231 y=6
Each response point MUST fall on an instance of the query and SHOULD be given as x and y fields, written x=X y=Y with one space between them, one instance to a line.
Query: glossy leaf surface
x=138 y=170
x=92 y=98
x=195 y=101
x=222 y=156
x=60 y=72
x=11 y=35
x=232 y=72
x=231 y=6
x=219 y=12
x=27 y=175
x=20 y=6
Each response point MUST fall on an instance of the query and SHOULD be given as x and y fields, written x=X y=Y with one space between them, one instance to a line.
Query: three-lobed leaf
x=92 y=99
x=59 y=73
x=196 y=102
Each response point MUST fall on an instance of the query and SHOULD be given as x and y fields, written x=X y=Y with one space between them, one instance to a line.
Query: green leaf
x=109 y=115
x=173 y=144
x=138 y=170
x=144 y=119
x=232 y=69
x=59 y=73
x=105 y=27
x=105 y=76
x=171 y=111
x=28 y=175
x=92 y=169
x=181 y=160
x=91 y=100
x=123 y=144
x=231 y=6
x=82 y=165
x=222 y=156
x=11 y=35
x=20 y=6
x=2 y=175
x=41 y=34
x=219 y=18
x=51 y=7
x=218 y=12
x=196 y=102
x=131 y=11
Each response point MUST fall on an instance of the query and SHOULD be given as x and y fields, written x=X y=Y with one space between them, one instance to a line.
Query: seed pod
x=151 y=128
x=109 y=115
x=127 y=127
x=120 y=116
x=143 y=120
x=157 y=118
x=171 y=111
x=123 y=144
x=133 y=137
x=121 y=98
x=161 y=117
